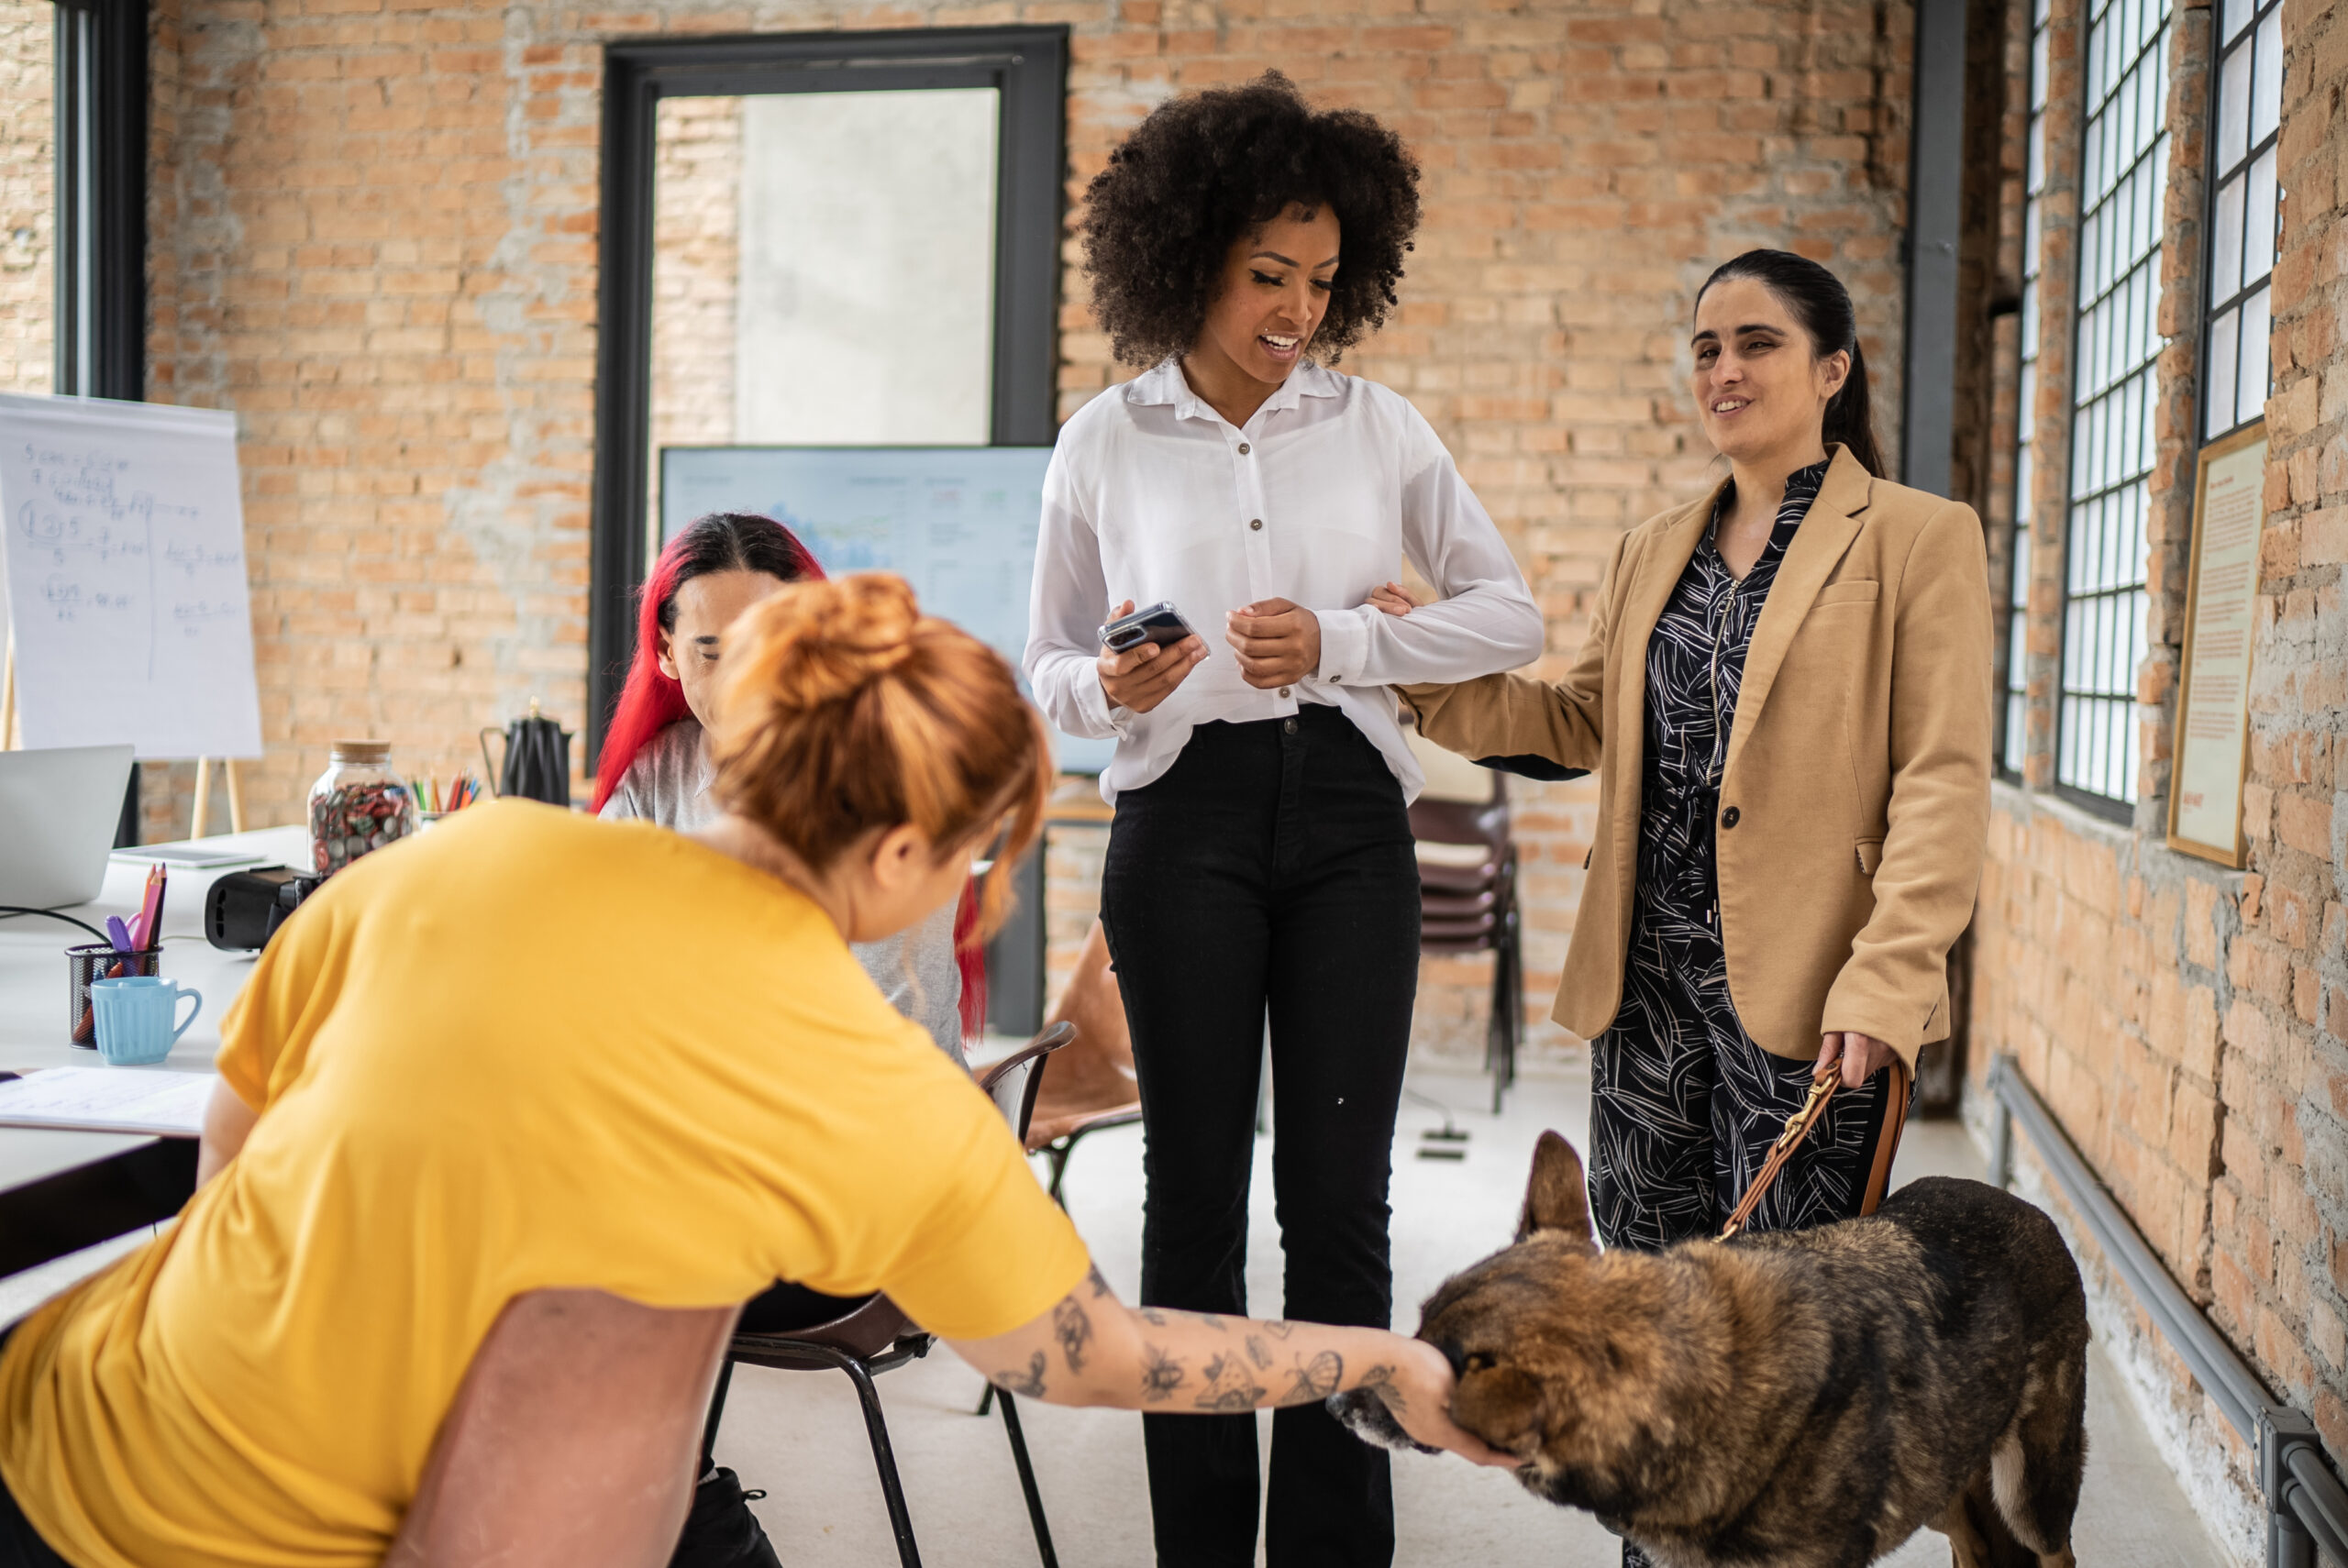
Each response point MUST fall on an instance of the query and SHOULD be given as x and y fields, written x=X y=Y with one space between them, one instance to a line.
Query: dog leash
x=1798 y=1127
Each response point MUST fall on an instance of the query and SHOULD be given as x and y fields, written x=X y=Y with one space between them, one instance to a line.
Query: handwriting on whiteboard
x=124 y=545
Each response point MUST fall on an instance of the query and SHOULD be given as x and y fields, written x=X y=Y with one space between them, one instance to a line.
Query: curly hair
x=1202 y=170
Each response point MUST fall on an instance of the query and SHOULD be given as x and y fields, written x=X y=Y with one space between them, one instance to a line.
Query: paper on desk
x=109 y=1100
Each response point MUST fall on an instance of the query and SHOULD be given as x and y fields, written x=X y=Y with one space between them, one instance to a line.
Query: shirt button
x=1288 y=726
x=1284 y=691
x=1245 y=448
x=1255 y=523
x=1731 y=817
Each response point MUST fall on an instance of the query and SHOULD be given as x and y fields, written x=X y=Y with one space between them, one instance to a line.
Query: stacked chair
x=1467 y=889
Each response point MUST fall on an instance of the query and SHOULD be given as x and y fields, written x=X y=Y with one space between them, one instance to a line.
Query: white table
x=36 y=1033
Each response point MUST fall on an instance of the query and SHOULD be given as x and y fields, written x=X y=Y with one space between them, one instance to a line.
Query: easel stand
x=203 y=764
x=203 y=795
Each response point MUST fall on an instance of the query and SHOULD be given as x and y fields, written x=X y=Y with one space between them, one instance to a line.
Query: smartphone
x=1159 y=623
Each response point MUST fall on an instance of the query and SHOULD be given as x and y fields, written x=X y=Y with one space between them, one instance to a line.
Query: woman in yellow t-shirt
x=483 y=1185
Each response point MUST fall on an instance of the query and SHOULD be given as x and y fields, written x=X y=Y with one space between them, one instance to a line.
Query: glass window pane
x=867 y=269
x=2256 y=327
x=2233 y=108
x=2259 y=248
x=2225 y=241
x=2238 y=16
x=2267 y=96
x=2220 y=379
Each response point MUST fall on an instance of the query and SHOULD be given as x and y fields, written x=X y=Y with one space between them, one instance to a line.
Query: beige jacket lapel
x=1826 y=532
x=1643 y=602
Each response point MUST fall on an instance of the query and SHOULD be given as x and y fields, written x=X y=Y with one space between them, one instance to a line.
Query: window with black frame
x=2123 y=180
x=2244 y=215
x=824 y=239
x=2013 y=743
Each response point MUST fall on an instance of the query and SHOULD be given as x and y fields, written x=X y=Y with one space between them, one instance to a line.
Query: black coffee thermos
x=538 y=758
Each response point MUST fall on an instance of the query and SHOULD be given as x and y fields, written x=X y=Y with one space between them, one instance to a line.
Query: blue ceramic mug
x=136 y=1017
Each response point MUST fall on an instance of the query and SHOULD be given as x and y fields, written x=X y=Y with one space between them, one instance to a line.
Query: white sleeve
x=1065 y=610
x=1485 y=621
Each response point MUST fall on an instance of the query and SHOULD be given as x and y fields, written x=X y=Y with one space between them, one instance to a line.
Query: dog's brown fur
x=1807 y=1399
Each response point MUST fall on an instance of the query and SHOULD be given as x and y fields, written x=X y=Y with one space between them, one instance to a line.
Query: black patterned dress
x=1684 y=1104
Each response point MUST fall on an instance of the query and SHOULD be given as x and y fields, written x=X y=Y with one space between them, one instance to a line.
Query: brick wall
x=2186 y=1022
x=381 y=251
x=28 y=197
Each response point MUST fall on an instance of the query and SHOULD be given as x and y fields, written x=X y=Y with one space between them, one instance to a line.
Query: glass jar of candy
x=357 y=806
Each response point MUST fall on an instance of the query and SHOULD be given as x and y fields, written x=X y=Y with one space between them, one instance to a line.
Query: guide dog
x=1804 y=1398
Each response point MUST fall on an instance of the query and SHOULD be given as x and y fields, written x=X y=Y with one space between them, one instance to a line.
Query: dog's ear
x=1557 y=1200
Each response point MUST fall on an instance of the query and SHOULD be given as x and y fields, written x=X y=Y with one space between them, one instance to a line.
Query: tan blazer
x=1855 y=804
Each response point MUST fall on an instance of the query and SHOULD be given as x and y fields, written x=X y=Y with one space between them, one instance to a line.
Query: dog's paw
x=1365 y=1414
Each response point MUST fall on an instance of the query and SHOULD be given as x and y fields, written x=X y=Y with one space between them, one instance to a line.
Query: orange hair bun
x=844 y=711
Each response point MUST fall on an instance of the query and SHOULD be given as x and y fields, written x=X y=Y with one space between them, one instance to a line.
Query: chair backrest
x=1012 y=1082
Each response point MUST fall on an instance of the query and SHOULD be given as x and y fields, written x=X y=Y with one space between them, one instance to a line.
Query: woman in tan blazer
x=1785 y=693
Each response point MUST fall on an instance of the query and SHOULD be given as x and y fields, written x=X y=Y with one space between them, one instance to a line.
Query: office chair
x=872 y=1336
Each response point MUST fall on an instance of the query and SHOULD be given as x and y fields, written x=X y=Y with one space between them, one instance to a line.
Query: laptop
x=58 y=809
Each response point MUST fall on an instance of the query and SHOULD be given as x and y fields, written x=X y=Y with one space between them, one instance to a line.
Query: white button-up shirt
x=1317 y=499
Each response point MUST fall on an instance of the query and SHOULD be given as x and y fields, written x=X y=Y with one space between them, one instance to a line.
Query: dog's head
x=1556 y=1348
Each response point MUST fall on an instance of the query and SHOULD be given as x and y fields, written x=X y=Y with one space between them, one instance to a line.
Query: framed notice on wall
x=2213 y=697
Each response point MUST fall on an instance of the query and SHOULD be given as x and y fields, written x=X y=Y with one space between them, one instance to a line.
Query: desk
x=59 y=1191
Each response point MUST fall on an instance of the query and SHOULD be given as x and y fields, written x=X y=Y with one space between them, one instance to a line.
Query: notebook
x=109 y=1100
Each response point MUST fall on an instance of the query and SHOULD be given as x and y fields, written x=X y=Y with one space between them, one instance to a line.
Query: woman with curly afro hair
x=1261 y=860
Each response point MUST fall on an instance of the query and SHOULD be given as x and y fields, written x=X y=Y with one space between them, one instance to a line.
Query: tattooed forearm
x=1258 y=1354
x=1160 y=1375
x=1315 y=1380
x=1073 y=1329
x=1099 y=1286
x=1230 y=1386
x=1028 y=1386
x=1380 y=1380
x=1153 y=1317
x=1212 y=1321
x=1280 y=1328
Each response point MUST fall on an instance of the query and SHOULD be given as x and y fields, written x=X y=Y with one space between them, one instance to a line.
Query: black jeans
x=1271 y=867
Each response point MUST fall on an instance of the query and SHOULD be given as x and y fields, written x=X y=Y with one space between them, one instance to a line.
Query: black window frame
x=2081 y=418
x=98 y=295
x=2213 y=178
x=99 y=307
x=1028 y=68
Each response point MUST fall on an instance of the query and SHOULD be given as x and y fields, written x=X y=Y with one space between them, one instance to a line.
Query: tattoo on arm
x=1099 y=1286
x=1028 y=1386
x=1280 y=1328
x=1380 y=1380
x=1230 y=1386
x=1315 y=1380
x=1152 y=1316
x=1212 y=1321
x=1160 y=1375
x=1258 y=1354
x=1073 y=1329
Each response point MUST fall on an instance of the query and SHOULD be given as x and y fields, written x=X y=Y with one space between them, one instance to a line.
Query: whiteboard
x=122 y=538
x=958 y=523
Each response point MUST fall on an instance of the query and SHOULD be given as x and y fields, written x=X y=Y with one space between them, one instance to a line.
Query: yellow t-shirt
x=526 y=1051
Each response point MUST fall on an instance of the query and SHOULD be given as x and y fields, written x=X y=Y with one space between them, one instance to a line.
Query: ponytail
x=1823 y=305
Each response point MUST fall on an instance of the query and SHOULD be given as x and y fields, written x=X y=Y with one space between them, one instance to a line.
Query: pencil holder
x=98 y=961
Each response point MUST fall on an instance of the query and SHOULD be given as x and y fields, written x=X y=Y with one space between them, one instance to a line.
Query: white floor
x=799 y=1435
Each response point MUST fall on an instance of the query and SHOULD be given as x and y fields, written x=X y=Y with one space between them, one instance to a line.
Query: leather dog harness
x=1797 y=1126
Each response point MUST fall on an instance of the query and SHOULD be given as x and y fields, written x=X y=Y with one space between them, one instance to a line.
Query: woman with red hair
x=656 y=766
